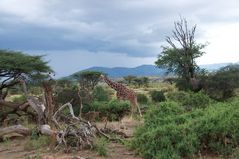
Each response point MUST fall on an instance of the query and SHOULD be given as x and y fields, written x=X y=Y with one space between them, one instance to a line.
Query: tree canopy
x=88 y=79
x=179 y=57
x=14 y=64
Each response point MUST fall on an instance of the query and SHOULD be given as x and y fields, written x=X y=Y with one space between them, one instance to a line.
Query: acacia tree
x=87 y=82
x=14 y=65
x=88 y=79
x=179 y=57
x=129 y=79
x=141 y=81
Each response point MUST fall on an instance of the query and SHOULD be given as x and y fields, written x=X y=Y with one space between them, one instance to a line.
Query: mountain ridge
x=144 y=70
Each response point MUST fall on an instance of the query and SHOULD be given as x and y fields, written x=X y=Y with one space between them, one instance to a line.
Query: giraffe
x=123 y=93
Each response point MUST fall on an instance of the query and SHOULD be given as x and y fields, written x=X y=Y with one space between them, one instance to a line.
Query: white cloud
x=223 y=43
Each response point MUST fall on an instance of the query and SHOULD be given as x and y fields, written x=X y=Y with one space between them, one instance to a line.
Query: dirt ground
x=115 y=151
x=15 y=148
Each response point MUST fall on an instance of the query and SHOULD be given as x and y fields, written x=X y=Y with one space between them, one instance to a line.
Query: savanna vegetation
x=189 y=114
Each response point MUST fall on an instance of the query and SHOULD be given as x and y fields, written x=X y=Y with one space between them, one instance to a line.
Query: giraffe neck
x=112 y=84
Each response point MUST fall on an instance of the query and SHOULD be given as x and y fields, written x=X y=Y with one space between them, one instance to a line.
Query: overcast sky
x=77 y=34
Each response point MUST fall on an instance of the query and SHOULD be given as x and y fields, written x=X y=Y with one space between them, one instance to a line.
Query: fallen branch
x=54 y=117
x=14 y=108
x=19 y=129
x=35 y=104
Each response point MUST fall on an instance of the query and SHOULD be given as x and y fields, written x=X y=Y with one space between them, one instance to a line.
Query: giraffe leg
x=136 y=105
x=132 y=111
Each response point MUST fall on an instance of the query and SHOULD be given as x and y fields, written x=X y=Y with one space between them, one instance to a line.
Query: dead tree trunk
x=19 y=129
x=50 y=103
x=81 y=104
x=35 y=104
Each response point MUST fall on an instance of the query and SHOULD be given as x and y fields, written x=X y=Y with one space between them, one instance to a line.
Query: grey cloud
x=128 y=26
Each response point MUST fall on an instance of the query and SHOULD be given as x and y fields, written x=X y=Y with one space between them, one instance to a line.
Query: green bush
x=222 y=84
x=157 y=96
x=179 y=96
x=190 y=100
x=100 y=94
x=19 y=99
x=142 y=98
x=67 y=94
x=113 y=110
x=197 y=100
x=100 y=146
x=172 y=132
x=33 y=144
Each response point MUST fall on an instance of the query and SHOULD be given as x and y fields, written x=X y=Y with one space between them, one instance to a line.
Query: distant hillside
x=214 y=67
x=143 y=70
x=116 y=72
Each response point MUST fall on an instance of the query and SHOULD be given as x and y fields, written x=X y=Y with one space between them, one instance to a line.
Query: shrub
x=222 y=84
x=100 y=94
x=179 y=96
x=100 y=146
x=197 y=100
x=67 y=94
x=19 y=98
x=113 y=110
x=142 y=98
x=157 y=96
x=172 y=132
x=190 y=100
x=33 y=144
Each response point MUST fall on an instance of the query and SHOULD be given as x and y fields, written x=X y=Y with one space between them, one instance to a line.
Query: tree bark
x=14 y=108
x=50 y=103
x=19 y=129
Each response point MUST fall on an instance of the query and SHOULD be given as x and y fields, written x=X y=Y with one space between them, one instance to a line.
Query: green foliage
x=15 y=64
x=6 y=142
x=100 y=94
x=66 y=95
x=129 y=79
x=190 y=100
x=34 y=134
x=100 y=146
x=113 y=110
x=64 y=83
x=141 y=81
x=180 y=57
x=19 y=98
x=34 y=144
x=197 y=100
x=235 y=155
x=178 y=96
x=157 y=96
x=172 y=132
x=183 y=84
x=137 y=81
x=223 y=83
x=88 y=79
x=142 y=98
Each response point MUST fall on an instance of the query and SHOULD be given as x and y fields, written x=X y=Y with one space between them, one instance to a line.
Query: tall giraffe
x=124 y=93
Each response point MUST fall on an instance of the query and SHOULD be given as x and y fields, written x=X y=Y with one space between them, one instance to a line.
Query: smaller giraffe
x=124 y=93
